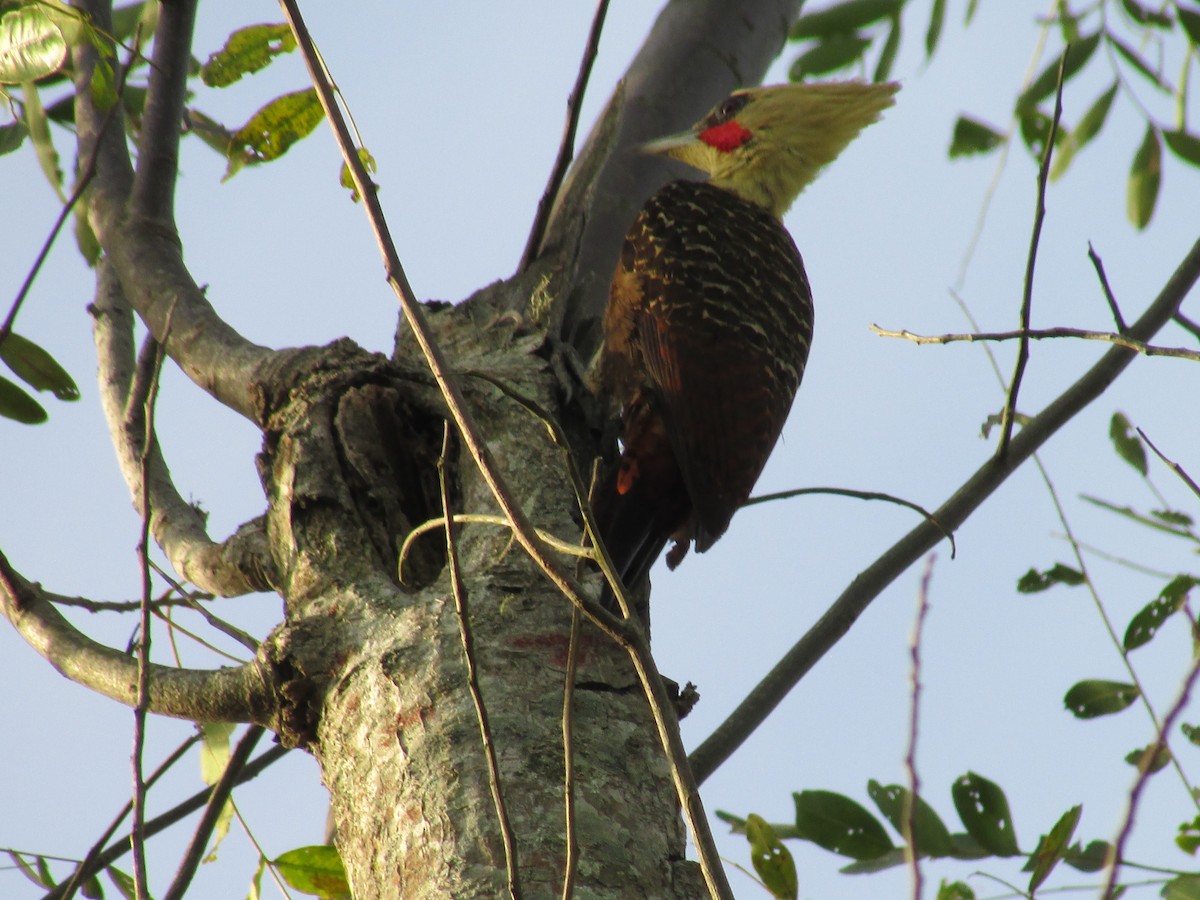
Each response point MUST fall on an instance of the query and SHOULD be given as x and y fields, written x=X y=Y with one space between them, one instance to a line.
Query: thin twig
x=566 y=148
x=1144 y=772
x=910 y=758
x=858 y=495
x=75 y=882
x=1010 y=405
x=468 y=641
x=1038 y=334
x=212 y=813
x=226 y=628
x=1187 y=324
x=571 y=864
x=98 y=606
x=121 y=846
x=1172 y=465
x=141 y=710
x=1113 y=306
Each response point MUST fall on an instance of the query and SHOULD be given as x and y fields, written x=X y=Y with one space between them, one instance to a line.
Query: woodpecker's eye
x=728 y=108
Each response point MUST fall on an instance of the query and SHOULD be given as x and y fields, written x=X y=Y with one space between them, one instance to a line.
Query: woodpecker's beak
x=685 y=147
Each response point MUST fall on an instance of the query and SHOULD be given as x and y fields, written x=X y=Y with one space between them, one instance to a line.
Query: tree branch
x=830 y=628
x=1037 y=334
x=243 y=694
x=145 y=250
x=243 y=563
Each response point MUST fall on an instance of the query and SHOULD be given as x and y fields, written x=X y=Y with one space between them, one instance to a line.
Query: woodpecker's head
x=766 y=144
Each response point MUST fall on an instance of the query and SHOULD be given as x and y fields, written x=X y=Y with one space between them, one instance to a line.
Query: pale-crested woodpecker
x=710 y=317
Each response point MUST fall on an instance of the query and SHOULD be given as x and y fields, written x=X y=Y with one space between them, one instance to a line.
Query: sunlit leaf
x=771 y=859
x=1145 y=176
x=1089 y=126
x=273 y=130
x=1076 y=56
x=30 y=872
x=972 y=136
x=39 y=133
x=247 y=51
x=1050 y=849
x=17 y=405
x=937 y=17
x=930 y=835
x=835 y=52
x=315 y=870
x=841 y=17
x=883 y=69
x=1033 y=581
x=1090 y=699
x=255 y=892
x=32 y=45
x=37 y=368
x=984 y=811
x=838 y=824
x=368 y=163
x=1127 y=442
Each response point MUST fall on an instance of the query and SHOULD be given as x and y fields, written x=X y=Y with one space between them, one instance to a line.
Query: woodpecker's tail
x=632 y=530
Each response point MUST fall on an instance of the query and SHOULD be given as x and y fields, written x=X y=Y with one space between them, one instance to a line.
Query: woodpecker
x=710 y=316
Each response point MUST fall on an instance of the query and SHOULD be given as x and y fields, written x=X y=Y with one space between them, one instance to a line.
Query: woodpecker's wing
x=723 y=329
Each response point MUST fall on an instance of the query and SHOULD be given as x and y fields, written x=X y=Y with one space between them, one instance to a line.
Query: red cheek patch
x=725 y=137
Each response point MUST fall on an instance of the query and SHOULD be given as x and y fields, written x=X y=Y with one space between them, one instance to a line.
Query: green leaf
x=32 y=45
x=838 y=824
x=983 y=808
x=125 y=20
x=1132 y=57
x=17 y=405
x=937 y=18
x=955 y=890
x=887 y=57
x=1090 y=699
x=1182 y=887
x=1127 y=442
x=12 y=136
x=1145 y=176
x=772 y=861
x=1152 y=758
x=1035 y=130
x=832 y=53
x=1188 y=838
x=315 y=870
x=1092 y=858
x=255 y=892
x=972 y=136
x=1173 y=517
x=247 y=51
x=1184 y=145
x=1089 y=126
x=930 y=835
x=368 y=162
x=1191 y=732
x=34 y=875
x=1075 y=55
x=36 y=367
x=1145 y=624
x=124 y=883
x=1190 y=20
x=1033 y=581
x=103 y=86
x=1051 y=848
x=846 y=16
x=972 y=5
x=212 y=132
x=272 y=130
x=85 y=238
x=39 y=133
x=92 y=889
x=1145 y=16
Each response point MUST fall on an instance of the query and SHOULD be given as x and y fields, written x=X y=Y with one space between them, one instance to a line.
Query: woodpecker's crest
x=767 y=144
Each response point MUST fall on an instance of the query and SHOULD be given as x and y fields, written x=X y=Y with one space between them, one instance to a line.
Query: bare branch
x=1113 y=307
x=1172 y=465
x=1037 y=334
x=242 y=694
x=1010 y=405
x=145 y=251
x=1187 y=324
x=769 y=692
x=243 y=563
x=912 y=851
x=459 y=591
x=566 y=149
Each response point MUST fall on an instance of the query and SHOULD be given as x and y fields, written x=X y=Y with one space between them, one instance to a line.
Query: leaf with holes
x=32 y=45
x=930 y=835
x=1094 y=698
x=1034 y=582
x=838 y=824
x=772 y=861
x=246 y=51
x=273 y=130
x=1051 y=848
x=1144 y=625
x=984 y=811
